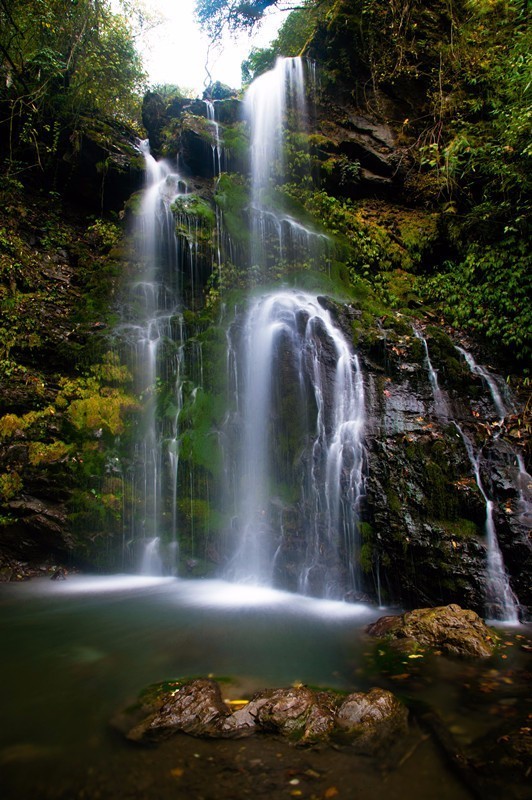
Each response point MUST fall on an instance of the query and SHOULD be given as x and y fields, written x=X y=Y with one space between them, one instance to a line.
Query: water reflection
x=75 y=652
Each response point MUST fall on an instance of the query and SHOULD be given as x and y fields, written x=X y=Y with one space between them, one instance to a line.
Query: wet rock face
x=452 y=629
x=371 y=720
x=298 y=713
x=195 y=708
x=423 y=514
x=365 y=721
x=352 y=134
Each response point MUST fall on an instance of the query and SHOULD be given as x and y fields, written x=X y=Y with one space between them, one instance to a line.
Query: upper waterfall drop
x=267 y=102
x=276 y=108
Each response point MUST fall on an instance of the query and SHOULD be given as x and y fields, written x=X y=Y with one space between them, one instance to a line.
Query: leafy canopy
x=216 y=16
x=60 y=60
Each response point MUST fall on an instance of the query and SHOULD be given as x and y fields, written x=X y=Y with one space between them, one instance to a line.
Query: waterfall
x=488 y=379
x=440 y=403
x=500 y=601
x=276 y=108
x=300 y=425
x=156 y=336
x=217 y=148
x=261 y=472
x=524 y=487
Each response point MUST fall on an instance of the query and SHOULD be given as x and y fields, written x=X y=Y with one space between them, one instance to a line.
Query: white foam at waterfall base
x=205 y=594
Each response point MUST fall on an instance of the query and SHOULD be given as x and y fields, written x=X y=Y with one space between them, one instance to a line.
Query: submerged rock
x=453 y=629
x=196 y=707
x=306 y=716
x=298 y=713
x=371 y=720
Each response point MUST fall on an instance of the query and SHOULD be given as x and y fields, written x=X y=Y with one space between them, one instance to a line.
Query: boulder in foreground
x=367 y=721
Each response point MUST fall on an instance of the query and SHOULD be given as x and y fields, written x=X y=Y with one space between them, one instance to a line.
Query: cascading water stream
x=524 y=487
x=500 y=601
x=217 y=147
x=158 y=341
x=440 y=403
x=276 y=105
x=294 y=359
x=488 y=379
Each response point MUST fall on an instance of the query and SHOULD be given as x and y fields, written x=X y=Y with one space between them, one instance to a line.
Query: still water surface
x=76 y=652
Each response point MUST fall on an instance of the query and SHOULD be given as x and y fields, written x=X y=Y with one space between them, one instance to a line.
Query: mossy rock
x=451 y=629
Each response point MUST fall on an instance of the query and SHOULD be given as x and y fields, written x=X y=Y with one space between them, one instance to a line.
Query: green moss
x=444 y=355
x=441 y=496
x=236 y=142
x=201 y=420
x=394 y=501
x=365 y=330
x=191 y=205
x=365 y=557
x=417 y=351
x=200 y=516
x=460 y=528
x=11 y=484
x=198 y=125
x=232 y=197
x=41 y=454
x=366 y=531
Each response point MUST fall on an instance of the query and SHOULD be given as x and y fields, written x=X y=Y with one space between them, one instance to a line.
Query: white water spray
x=276 y=106
x=291 y=351
x=488 y=379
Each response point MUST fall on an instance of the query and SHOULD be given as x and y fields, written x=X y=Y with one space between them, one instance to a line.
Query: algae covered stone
x=452 y=629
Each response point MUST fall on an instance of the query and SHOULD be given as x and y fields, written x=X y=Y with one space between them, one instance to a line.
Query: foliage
x=63 y=62
x=259 y=60
x=291 y=40
x=96 y=404
x=489 y=293
x=458 y=78
x=215 y=16
x=218 y=91
x=10 y=485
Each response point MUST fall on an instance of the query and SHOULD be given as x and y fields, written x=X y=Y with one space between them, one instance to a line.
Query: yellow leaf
x=332 y=791
x=178 y=772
